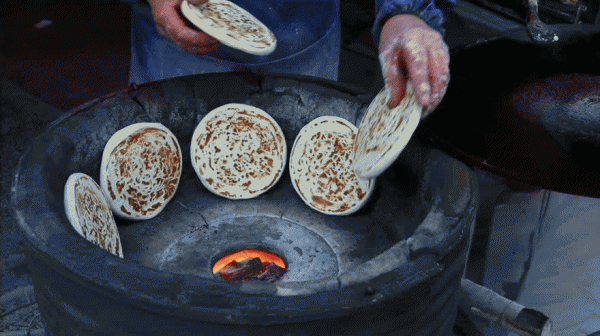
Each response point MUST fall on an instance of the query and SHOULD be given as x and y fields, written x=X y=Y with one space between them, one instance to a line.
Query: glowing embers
x=248 y=264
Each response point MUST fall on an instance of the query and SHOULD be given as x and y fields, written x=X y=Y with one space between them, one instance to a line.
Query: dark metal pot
x=392 y=268
x=526 y=112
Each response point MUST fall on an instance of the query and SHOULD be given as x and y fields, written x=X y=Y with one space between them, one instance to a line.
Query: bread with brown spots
x=320 y=167
x=140 y=170
x=231 y=25
x=238 y=151
x=383 y=132
x=90 y=214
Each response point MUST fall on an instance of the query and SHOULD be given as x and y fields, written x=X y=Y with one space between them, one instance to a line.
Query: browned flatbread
x=383 y=133
x=231 y=25
x=140 y=171
x=320 y=167
x=90 y=214
x=238 y=151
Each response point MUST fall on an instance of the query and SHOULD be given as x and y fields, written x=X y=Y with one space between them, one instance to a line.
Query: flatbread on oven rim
x=321 y=167
x=383 y=133
x=90 y=213
x=232 y=26
x=238 y=151
x=141 y=170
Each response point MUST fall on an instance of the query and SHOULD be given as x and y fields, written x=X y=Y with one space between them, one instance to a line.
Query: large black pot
x=392 y=268
x=526 y=112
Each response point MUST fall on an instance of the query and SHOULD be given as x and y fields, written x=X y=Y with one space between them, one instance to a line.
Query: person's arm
x=411 y=48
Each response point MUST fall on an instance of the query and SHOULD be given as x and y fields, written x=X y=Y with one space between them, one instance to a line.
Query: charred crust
x=360 y=193
x=124 y=210
x=343 y=208
x=321 y=201
x=272 y=182
x=372 y=149
x=111 y=192
x=120 y=187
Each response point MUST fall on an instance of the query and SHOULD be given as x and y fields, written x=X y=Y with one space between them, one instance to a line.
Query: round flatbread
x=232 y=26
x=383 y=133
x=320 y=167
x=238 y=151
x=140 y=170
x=89 y=212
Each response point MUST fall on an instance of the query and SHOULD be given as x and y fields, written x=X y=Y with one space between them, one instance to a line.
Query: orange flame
x=264 y=256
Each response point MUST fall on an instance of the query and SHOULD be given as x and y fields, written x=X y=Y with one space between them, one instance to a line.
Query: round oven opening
x=248 y=264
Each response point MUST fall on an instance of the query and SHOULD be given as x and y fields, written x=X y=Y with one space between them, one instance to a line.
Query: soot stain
x=299 y=250
x=274 y=235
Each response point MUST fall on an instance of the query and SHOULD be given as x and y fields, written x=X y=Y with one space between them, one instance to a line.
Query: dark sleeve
x=433 y=12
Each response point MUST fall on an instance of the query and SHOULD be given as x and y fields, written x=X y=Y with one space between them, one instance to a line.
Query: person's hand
x=409 y=50
x=171 y=25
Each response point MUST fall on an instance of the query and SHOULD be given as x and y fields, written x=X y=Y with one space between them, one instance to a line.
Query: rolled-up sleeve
x=433 y=12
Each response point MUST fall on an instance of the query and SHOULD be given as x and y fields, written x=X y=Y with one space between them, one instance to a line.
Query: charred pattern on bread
x=320 y=166
x=142 y=172
x=383 y=132
x=232 y=25
x=238 y=151
x=90 y=213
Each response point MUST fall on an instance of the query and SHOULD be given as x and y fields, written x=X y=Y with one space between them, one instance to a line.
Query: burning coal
x=249 y=264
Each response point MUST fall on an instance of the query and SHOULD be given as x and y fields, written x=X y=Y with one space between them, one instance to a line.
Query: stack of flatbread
x=238 y=151
x=320 y=167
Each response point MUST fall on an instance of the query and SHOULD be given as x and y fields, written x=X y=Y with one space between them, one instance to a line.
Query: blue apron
x=308 y=43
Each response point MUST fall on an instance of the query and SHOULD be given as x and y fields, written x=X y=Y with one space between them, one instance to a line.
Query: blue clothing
x=433 y=12
x=308 y=39
x=308 y=43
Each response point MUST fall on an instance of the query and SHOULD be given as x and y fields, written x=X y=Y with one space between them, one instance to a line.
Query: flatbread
x=320 y=167
x=238 y=151
x=140 y=170
x=232 y=26
x=90 y=214
x=383 y=133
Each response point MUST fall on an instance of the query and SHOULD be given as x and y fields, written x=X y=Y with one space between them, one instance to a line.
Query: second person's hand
x=410 y=50
x=171 y=25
